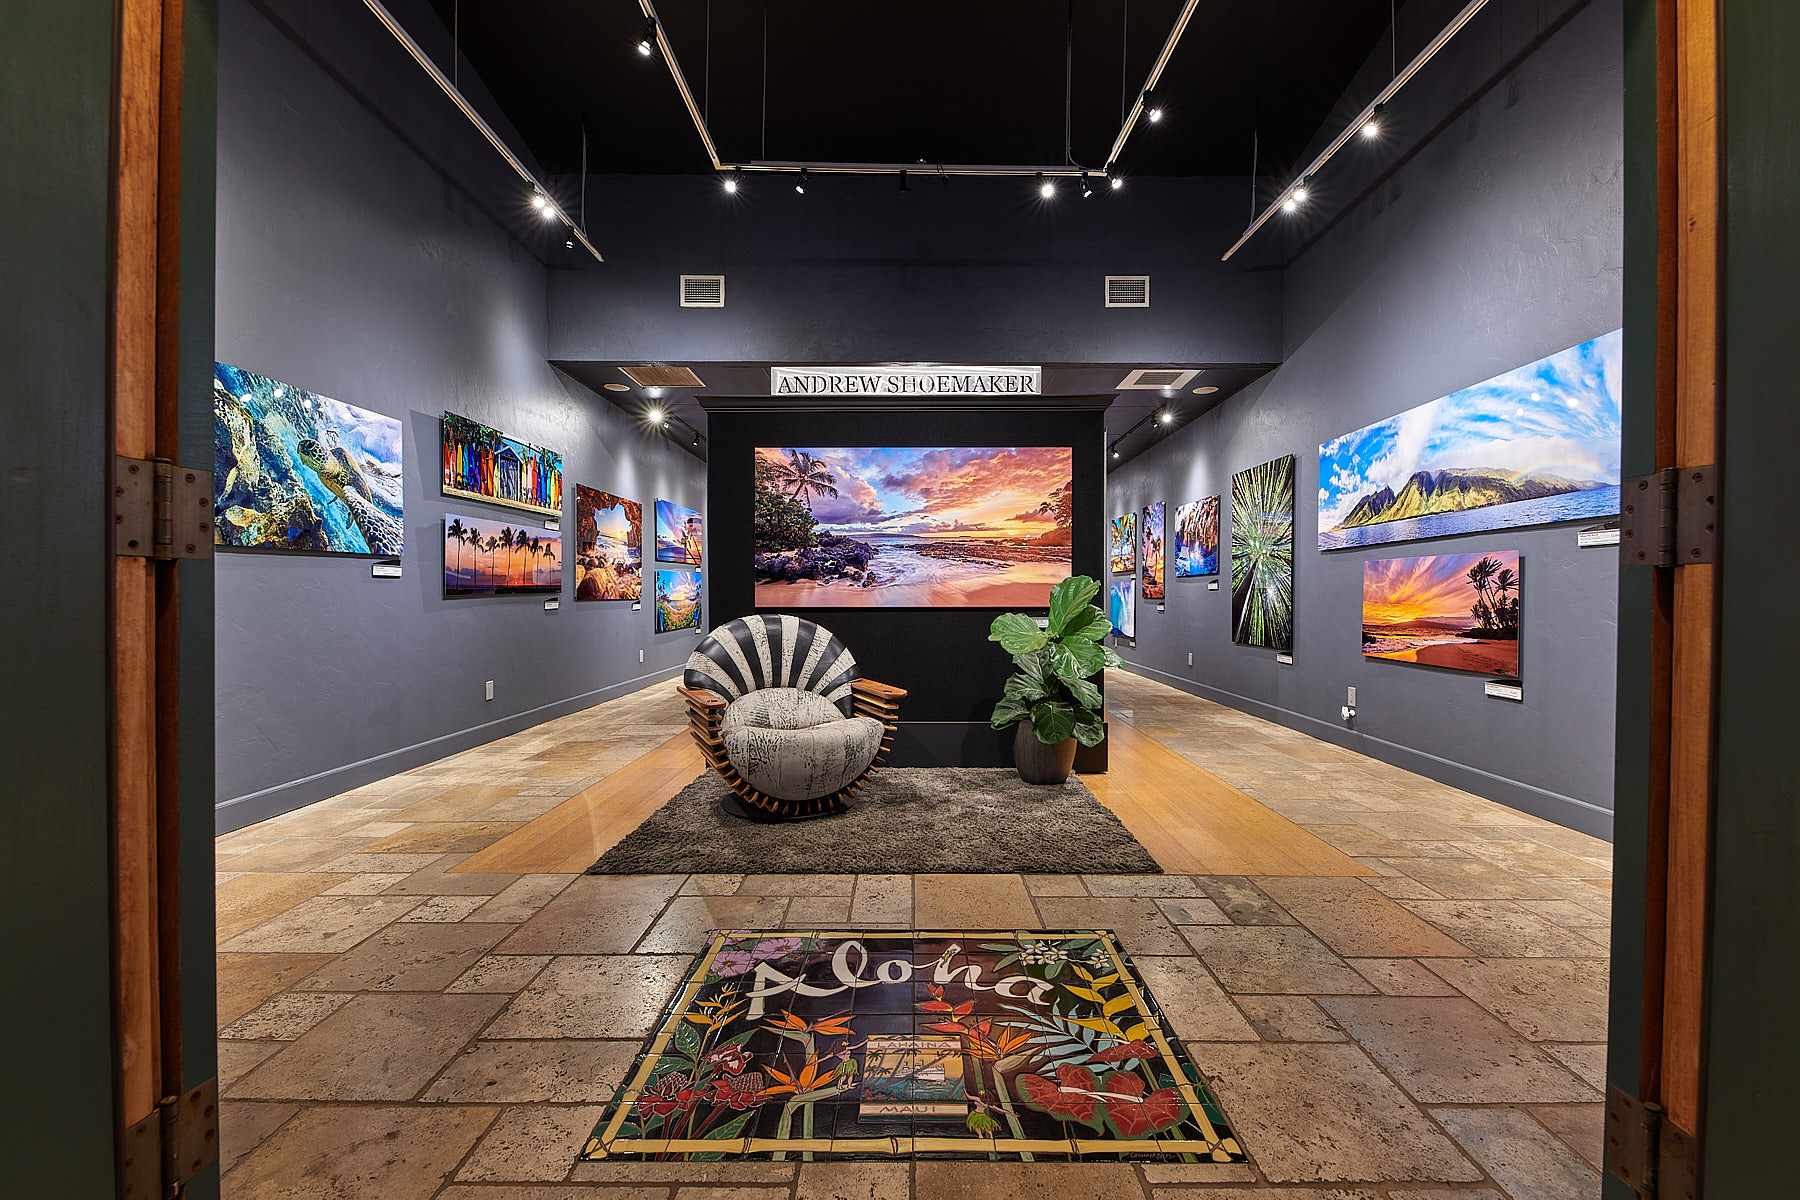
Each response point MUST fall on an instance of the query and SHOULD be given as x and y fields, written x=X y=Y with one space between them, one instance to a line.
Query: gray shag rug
x=904 y=821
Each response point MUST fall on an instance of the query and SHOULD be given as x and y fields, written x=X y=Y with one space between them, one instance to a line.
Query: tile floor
x=390 y=1029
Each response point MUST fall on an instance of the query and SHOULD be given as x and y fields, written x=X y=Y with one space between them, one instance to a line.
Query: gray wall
x=1498 y=242
x=980 y=271
x=354 y=262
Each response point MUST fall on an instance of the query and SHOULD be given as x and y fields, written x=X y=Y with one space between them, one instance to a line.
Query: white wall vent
x=703 y=291
x=1151 y=379
x=1128 y=291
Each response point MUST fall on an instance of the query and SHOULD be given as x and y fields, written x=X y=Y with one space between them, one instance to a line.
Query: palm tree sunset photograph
x=495 y=558
x=1459 y=611
x=912 y=527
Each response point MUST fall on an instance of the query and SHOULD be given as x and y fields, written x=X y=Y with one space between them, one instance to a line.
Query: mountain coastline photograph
x=1534 y=446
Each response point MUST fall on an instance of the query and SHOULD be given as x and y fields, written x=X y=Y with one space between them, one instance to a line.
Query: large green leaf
x=1112 y=658
x=1085 y=694
x=1052 y=721
x=1026 y=689
x=1086 y=659
x=1067 y=599
x=1088 y=625
x=1008 y=712
x=1017 y=633
x=1090 y=732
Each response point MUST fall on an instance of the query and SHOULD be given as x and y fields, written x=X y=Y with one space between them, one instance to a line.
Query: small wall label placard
x=926 y=379
x=1286 y=659
x=1596 y=537
x=552 y=605
x=385 y=570
x=1505 y=689
x=556 y=525
x=1212 y=585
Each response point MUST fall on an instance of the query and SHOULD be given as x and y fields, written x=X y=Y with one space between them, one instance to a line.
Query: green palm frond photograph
x=1262 y=555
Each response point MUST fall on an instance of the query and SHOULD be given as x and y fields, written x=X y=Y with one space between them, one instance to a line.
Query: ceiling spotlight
x=1117 y=180
x=655 y=416
x=647 y=44
x=655 y=393
x=569 y=239
x=696 y=441
x=1165 y=417
x=1046 y=188
x=1087 y=189
x=1372 y=127
x=1115 y=452
x=539 y=202
x=1152 y=107
x=903 y=188
x=800 y=183
x=732 y=179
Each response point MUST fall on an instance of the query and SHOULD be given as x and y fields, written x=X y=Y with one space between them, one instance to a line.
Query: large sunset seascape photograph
x=1459 y=611
x=912 y=527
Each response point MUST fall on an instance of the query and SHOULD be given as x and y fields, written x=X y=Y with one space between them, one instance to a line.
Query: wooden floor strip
x=1194 y=823
x=571 y=836
x=1191 y=822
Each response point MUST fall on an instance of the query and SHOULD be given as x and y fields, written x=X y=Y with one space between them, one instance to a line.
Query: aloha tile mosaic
x=1024 y=1046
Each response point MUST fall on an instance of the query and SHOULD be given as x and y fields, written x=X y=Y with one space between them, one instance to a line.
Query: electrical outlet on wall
x=640 y=656
x=1190 y=658
x=490 y=689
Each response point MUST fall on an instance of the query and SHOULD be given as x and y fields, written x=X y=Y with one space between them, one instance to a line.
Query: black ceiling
x=927 y=80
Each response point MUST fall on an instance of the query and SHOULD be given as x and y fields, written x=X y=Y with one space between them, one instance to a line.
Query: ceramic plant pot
x=1039 y=763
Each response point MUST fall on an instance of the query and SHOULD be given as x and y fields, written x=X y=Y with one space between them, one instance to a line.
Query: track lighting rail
x=549 y=206
x=1357 y=123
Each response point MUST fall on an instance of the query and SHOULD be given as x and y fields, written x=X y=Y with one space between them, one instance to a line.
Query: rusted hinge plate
x=160 y=510
x=195 y=1144
x=1678 y=1164
x=1631 y=1139
x=1697 y=515
x=1647 y=520
x=163 y=1152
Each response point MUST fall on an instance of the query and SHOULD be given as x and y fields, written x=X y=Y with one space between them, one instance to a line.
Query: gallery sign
x=923 y=380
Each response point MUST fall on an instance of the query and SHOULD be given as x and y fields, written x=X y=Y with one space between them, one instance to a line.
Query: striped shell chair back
x=752 y=653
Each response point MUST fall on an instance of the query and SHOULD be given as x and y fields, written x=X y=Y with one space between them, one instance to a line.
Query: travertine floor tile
x=1139 y=923
x=797 y=885
x=237 y=1058
x=1195 y=1007
x=1354 y=919
x=500 y=973
x=1054 y=885
x=1500 y=929
x=1141 y=885
x=882 y=900
x=1446 y=1050
x=853 y=1180
x=972 y=902
x=1289 y=1019
x=246 y=980
x=1582 y=1127
x=1587 y=1061
x=1242 y=901
x=243 y=1126
x=1469 y=879
x=593 y=997
x=323 y=925
x=407 y=957
x=1520 y=1154
x=444 y=909
x=596 y=914
x=562 y=1071
x=247 y=900
x=818 y=912
x=712 y=885
x=1546 y=999
x=357 y=1152
x=285 y=1017
x=686 y=924
x=376 y=1047
x=1198 y=910
x=1024 y=1181
x=521 y=900
x=1318 y=1112
x=531 y=1145
x=1272 y=958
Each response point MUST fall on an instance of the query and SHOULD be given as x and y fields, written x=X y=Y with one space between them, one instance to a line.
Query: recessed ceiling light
x=1205 y=391
x=616 y=387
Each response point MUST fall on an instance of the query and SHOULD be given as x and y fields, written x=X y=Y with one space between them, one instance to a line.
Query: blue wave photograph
x=1535 y=446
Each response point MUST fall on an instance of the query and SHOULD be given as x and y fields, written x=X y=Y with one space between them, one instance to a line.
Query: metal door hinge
x=172 y=1145
x=160 y=510
x=1655 y=1157
x=1670 y=518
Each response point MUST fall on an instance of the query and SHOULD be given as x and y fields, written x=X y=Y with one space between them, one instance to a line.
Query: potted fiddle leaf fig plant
x=1051 y=698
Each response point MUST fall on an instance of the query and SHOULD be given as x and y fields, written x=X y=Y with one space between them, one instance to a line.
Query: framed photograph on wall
x=677 y=600
x=484 y=464
x=1123 y=545
x=1197 y=538
x=1121 y=606
x=293 y=470
x=1153 y=551
x=912 y=526
x=1459 y=611
x=484 y=557
x=1262 y=555
x=678 y=533
x=609 y=541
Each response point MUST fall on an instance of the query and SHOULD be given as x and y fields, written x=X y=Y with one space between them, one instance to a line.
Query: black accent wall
x=952 y=673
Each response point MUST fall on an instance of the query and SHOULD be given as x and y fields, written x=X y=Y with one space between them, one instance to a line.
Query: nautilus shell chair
x=779 y=711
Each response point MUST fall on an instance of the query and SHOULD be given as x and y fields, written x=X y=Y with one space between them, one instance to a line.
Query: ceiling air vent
x=1150 y=379
x=703 y=291
x=1128 y=291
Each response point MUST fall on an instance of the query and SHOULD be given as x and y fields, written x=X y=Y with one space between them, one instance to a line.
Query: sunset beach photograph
x=912 y=527
x=494 y=558
x=1459 y=611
